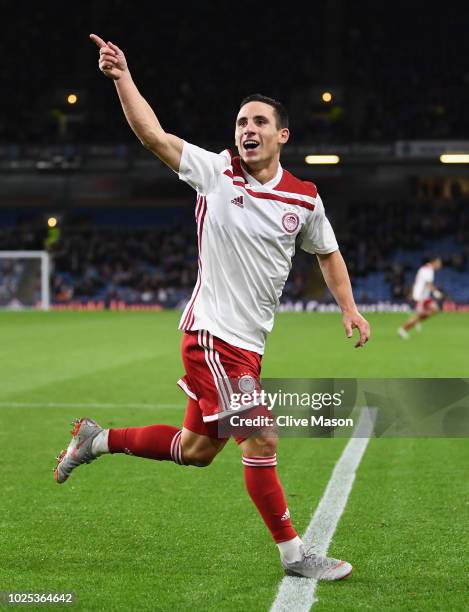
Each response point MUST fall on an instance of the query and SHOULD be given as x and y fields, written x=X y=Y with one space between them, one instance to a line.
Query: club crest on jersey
x=238 y=201
x=290 y=222
x=246 y=383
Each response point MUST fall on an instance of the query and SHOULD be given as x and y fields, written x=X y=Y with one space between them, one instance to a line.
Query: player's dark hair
x=281 y=114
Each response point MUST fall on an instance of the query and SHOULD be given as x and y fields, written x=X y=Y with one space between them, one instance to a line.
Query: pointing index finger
x=99 y=41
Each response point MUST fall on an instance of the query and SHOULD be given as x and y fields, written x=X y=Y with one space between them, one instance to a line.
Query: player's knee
x=262 y=444
x=269 y=445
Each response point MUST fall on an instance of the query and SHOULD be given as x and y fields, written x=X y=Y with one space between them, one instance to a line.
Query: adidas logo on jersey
x=238 y=201
x=286 y=515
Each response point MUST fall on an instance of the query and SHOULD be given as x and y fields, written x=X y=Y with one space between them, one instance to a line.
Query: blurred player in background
x=251 y=214
x=424 y=294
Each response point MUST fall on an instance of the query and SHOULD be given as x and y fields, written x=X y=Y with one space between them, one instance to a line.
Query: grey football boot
x=78 y=451
x=316 y=566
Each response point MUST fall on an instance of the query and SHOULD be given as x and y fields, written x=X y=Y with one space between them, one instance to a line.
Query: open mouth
x=250 y=144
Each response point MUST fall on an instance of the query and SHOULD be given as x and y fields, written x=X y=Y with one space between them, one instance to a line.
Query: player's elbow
x=152 y=142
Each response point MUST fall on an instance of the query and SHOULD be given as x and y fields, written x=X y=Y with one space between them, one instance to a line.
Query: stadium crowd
x=158 y=264
x=376 y=230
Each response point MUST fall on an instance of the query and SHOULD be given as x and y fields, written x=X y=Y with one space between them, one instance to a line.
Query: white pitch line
x=298 y=594
x=85 y=405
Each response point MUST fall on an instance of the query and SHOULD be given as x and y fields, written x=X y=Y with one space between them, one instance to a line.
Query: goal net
x=24 y=280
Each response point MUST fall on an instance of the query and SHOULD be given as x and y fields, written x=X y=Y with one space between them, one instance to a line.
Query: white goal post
x=24 y=280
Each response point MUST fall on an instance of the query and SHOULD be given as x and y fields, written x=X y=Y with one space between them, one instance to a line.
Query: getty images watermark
x=283 y=400
x=330 y=407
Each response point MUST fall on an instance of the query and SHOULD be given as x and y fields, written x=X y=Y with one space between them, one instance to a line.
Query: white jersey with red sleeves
x=423 y=283
x=247 y=235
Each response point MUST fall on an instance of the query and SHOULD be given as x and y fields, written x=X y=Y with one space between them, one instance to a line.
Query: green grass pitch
x=132 y=534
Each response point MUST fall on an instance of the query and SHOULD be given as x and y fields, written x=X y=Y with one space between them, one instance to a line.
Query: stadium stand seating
x=150 y=255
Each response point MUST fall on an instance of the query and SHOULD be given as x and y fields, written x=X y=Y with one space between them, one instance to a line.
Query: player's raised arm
x=138 y=112
x=337 y=279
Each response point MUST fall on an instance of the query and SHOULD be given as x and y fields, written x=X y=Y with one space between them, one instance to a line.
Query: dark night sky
x=401 y=65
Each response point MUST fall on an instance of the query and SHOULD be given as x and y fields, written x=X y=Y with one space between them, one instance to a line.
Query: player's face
x=257 y=136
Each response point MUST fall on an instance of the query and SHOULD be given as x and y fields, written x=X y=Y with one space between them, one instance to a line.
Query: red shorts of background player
x=214 y=370
x=424 y=306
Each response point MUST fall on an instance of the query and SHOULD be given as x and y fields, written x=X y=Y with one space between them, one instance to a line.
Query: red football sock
x=265 y=490
x=160 y=442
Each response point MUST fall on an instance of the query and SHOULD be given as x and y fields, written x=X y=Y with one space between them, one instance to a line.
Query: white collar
x=270 y=184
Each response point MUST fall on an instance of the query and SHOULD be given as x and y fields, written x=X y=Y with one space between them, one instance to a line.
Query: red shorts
x=424 y=305
x=214 y=370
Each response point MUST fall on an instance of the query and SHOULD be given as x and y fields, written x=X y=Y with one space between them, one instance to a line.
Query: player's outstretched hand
x=353 y=321
x=112 y=61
